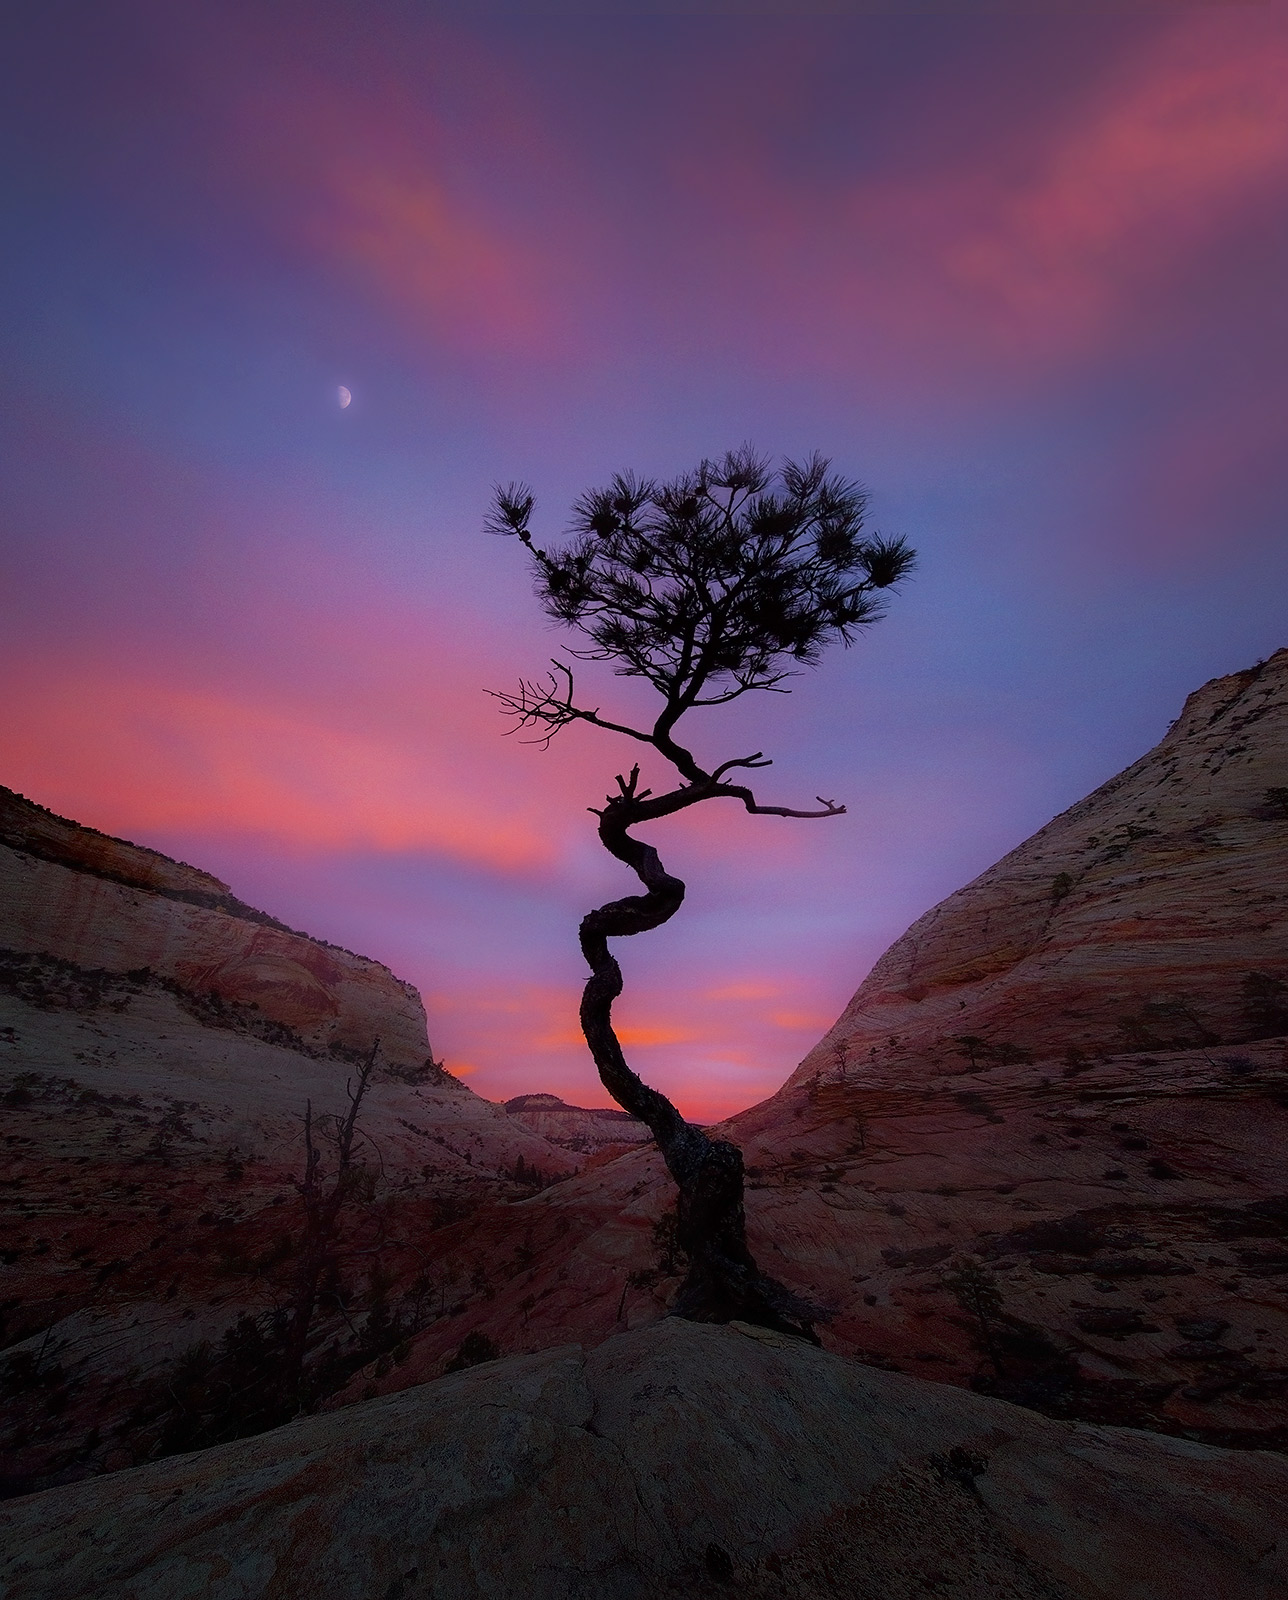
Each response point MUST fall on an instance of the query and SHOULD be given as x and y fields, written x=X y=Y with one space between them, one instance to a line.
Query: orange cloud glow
x=645 y=1035
x=811 y=1021
x=745 y=991
x=708 y=1061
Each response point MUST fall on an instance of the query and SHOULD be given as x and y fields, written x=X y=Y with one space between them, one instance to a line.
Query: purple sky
x=1023 y=277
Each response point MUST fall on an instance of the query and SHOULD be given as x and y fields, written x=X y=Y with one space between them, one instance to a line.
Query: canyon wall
x=1137 y=920
x=98 y=902
x=161 y=1045
x=1040 y=1155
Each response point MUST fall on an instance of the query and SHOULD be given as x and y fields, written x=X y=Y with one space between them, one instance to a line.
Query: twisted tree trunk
x=723 y=1280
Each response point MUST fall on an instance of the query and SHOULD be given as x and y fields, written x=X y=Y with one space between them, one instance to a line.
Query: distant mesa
x=577 y=1128
x=552 y=1102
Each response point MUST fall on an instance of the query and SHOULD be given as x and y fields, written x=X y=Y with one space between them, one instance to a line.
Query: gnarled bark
x=723 y=1280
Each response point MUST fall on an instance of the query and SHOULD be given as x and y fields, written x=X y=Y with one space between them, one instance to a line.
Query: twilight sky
x=1024 y=276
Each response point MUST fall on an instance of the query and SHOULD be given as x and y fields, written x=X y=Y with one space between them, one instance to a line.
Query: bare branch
x=345 y=1140
x=758 y=760
x=551 y=707
x=630 y=789
x=737 y=792
x=768 y=683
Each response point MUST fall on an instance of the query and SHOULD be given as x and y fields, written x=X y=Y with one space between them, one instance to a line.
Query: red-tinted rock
x=98 y=902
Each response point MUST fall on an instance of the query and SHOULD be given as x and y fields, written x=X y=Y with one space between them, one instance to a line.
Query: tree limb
x=554 y=709
x=757 y=760
x=830 y=807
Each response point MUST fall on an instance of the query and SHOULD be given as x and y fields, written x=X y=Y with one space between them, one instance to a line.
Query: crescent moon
x=344 y=397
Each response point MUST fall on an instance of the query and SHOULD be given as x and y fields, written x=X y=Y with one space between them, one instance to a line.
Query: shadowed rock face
x=1063 y=1074
x=675 y=1461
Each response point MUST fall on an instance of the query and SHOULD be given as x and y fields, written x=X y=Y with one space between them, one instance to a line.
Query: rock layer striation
x=102 y=903
x=1137 y=921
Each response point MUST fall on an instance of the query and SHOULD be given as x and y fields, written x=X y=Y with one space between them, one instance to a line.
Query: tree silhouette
x=725 y=580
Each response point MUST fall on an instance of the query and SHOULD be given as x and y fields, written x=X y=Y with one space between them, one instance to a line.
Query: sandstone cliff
x=681 y=1461
x=1056 y=1175
x=1136 y=921
x=159 y=1044
x=99 y=902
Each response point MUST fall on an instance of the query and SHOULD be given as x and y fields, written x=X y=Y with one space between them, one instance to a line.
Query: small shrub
x=473 y=1350
x=976 y=1291
x=1265 y=1004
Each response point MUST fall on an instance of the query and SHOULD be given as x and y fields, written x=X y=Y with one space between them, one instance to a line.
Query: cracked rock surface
x=676 y=1460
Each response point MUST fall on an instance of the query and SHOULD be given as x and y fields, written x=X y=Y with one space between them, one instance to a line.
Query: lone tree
x=723 y=581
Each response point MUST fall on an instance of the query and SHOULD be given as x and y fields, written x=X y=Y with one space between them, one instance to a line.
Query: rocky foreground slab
x=677 y=1460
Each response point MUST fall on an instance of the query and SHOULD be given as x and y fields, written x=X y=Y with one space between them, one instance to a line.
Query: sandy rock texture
x=680 y=1460
x=1056 y=1177
x=1056 y=1174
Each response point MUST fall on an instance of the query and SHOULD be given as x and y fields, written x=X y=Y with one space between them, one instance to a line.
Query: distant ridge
x=552 y=1102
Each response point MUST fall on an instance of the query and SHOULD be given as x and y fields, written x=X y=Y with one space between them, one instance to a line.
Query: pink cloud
x=309 y=141
x=995 y=262
x=149 y=756
x=1182 y=139
x=417 y=244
